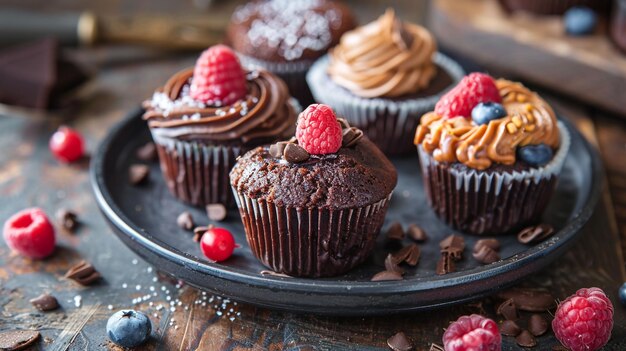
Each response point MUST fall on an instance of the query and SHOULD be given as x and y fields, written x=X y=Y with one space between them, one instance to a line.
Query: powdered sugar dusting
x=162 y=103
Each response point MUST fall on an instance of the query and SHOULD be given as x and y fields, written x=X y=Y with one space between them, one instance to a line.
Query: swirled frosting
x=385 y=58
x=529 y=121
x=265 y=112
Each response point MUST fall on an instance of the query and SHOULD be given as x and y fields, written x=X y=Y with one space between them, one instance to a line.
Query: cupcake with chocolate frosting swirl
x=202 y=119
x=382 y=77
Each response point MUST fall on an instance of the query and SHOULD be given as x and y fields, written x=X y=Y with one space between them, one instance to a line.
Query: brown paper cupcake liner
x=310 y=242
x=481 y=202
x=553 y=7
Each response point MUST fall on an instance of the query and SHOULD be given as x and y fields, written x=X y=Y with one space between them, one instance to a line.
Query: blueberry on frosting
x=486 y=112
x=535 y=155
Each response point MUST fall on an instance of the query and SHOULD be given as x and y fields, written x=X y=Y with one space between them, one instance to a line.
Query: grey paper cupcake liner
x=390 y=124
x=310 y=242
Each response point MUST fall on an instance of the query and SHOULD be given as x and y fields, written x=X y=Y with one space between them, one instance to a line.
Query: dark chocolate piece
x=216 y=212
x=526 y=339
x=537 y=325
x=147 y=152
x=392 y=265
x=198 y=232
x=45 y=302
x=386 y=276
x=351 y=136
x=295 y=153
x=454 y=246
x=343 y=123
x=531 y=300
x=409 y=254
x=510 y=328
x=493 y=244
x=508 y=310
x=486 y=255
x=395 y=231
x=83 y=273
x=399 y=342
x=13 y=340
x=67 y=219
x=445 y=264
x=416 y=233
x=435 y=347
x=276 y=150
x=535 y=234
x=138 y=173
x=185 y=220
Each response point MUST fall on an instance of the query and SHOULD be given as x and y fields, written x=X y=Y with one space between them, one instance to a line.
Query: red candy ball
x=217 y=244
x=66 y=145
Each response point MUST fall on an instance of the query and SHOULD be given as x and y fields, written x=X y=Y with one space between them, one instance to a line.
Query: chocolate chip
x=386 y=276
x=138 y=173
x=399 y=342
x=416 y=233
x=392 y=265
x=493 y=244
x=531 y=300
x=445 y=264
x=216 y=212
x=67 y=219
x=534 y=234
x=413 y=254
x=508 y=310
x=454 y=246
x=45 y=302
x=510 y=328
x=276 y=150
x=435 y=347
x=537 y=325
x=395 y=231
x=185 y=220
x=83 y=273
x=13 y=340
x=351 y=136
x=198 y=232
x=147 y=152
x=526 y=339
x=295 y=153
x=343 y=123
x=486 y=255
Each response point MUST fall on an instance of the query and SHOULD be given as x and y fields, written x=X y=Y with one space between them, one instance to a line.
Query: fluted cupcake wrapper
x=310 y=242
x=390 y=124
x=479 y=202
x=552 y=7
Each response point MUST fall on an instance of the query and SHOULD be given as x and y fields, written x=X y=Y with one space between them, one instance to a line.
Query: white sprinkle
x=159 y=307
x=149 y=270
x=124 y=286
x=219 y=313
x=175 y=327
x=110 y=307
x=152 y=288
x=173 y=309
x=232 y=319
x=168 y=298
x=154 y=293
x=150 y=303
x=135 y=261
x=155 y=315
x=163 y=288
x=137 y=287
x=78 y=300
x=155 y=279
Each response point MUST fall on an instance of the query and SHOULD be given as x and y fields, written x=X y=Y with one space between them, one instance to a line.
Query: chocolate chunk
x=526 y=339
x=537 y=325
x=392 y=266
x=45 y=302
x=216 y=212
x=435 y=347
x=295 y=153
x=185 y=220
x=13 y=340
x=416 y=233
x=138 y=173
x=510 y=328
x=198 y=232
x=147 y=152
x=409 y=254
x=493 y=244
x=445 y=264
x=399 y=342
x=395 y=231
x=343 y=123
x=386 y=276
x=276 y=150
x=508 y=310
x=67 y=219
x=351 y=136
x=486 y=255
x=83 y=273
x=531 y=300
x=535 y=234
x=454 y=246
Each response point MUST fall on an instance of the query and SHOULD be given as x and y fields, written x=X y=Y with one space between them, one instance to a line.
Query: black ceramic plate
x=144 y=217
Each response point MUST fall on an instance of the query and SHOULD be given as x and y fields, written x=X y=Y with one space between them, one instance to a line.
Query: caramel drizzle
x=529 y=121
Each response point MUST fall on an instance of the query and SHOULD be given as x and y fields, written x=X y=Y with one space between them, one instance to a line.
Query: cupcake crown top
x=469 y=127
x=385 y=58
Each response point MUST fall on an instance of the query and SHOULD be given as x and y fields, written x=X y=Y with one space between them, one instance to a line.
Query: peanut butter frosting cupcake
x=490 y=154
x=382 y=77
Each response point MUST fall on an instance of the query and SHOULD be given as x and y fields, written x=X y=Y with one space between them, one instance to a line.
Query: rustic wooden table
x=188 y=319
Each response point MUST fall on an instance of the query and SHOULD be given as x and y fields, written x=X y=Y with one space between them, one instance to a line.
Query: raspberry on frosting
x=318 y=130
x=218 y=78
x=471 y=90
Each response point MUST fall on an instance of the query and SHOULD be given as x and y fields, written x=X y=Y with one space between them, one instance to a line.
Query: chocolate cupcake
x=201 y=120
x=490 y=155
x=382 y=77
x=313 y=206
x=286 y=36
x=552 y=7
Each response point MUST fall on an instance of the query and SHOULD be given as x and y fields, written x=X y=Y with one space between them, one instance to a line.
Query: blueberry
x=622 y=294
x=580 y=20
x=128 y=328
x=485 y=112
x=535 y=155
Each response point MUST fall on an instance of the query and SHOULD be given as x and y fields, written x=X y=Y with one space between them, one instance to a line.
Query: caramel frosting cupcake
x=493 y=171
x=382 y=77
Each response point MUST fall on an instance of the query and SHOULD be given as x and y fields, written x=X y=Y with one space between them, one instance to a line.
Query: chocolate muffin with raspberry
x=203 y=118
x=314 y=205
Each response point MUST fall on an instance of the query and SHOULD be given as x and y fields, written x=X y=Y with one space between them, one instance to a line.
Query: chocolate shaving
x=198 y=232
x=45 y=302
x=409 y=254
x=67 y=219
x=351 y=136
x=535 y=234
x=508 y=310
x=343 y=123
x=526 y=339
x=274 y=274
x=295 y=153
x=216 y=212
x=486 y=255
x=399 y=342
x=395 y=231
x=445 y=264
x=83 y=273
x=276 y=150
x=531 y=300
x=435 y=347
x=416 y=233
x=138 y=173
x=493 y=244
x=392 y=265
x=510 y=328
x=13 y=340
x=386 y=276
x=185 y=220
x=147 y=152
x=537 y=325
x=453 y=245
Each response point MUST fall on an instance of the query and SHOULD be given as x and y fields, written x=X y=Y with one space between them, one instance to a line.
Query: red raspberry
x=471 y=90
x=318 y=131
x=30 y=233
x=66 y=145
x=218 y=78
x=583 y=322
x=472 y=333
